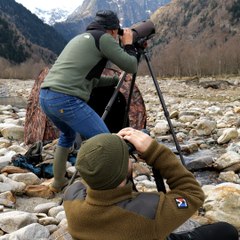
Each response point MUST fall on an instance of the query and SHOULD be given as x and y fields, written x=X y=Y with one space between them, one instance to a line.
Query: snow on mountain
x=52 y=16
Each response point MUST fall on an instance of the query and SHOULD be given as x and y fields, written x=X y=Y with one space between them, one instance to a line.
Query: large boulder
x=222 y=203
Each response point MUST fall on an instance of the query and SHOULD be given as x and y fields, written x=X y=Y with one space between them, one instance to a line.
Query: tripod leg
x=111 y=101
x=164 y=108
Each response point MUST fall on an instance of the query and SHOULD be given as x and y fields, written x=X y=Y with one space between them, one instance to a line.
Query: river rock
x=14 y=133
x=14 y=220
x=48 y=221
x=6 y=159
x=237 y=109
x=7 y=199
x=34 y=231
x=61 y=216
x=222 y=203
x=55 y=210
x=235 y=147
x=227 y=159
x=52 y=228
x=7 y=184
x=190 y=148
x=206 y=127
x=27 y=178
x=4 y=143
x=13 y=169
x=17 y=149
x=228 y=135
x=5 y=108
x=213 y=110
x=42 y=191
x=200 y=163
x=45 y=207
x=187 y=118
x=161 y=127
x=229 y=176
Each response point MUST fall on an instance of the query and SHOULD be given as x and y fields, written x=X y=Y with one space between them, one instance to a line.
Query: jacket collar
x=95 y=26
x=109 y=197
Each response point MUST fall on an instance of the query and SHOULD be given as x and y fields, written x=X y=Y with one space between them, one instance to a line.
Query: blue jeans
x=70 y=115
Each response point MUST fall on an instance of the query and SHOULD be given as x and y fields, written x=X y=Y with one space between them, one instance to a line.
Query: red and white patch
x=181 y=203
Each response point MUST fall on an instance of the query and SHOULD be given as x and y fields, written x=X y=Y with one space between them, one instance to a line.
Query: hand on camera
x=139 y=139
x=127 y=38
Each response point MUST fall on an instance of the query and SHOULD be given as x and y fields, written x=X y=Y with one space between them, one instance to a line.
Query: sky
x=49 y=4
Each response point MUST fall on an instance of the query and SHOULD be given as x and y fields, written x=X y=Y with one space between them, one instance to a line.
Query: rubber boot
x=59 y=169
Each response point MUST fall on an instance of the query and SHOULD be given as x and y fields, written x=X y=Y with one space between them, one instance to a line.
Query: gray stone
x=55 y=210
x=200 y=163
x=13 y=133
x=33 y=231
x=27 y=178
x=14 y=220
x=228 y=134
x=222 y=203
x=44 y=208
x=227 y=159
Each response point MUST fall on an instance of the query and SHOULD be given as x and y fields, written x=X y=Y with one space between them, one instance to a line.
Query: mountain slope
x=31 y=27
x=128 y=11
x=197 y=37
x=15 y=48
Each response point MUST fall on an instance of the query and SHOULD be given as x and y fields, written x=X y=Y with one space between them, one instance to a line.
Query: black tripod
x=141 y=51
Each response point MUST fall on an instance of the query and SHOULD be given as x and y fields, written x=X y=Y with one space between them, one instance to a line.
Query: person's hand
x=127 y=37
x=139 y=139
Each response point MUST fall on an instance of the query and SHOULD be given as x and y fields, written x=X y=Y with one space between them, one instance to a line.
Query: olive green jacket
x=79 y=67
x=121 y=214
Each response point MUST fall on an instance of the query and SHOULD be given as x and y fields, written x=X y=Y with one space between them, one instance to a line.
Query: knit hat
x=103 y=161
x=107 y=19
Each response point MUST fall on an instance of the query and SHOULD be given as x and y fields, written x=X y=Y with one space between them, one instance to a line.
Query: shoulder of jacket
x=150 y=201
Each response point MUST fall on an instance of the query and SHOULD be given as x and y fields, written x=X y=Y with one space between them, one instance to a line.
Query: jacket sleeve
x=106 y=81
x=112 y=51
x=185 y=195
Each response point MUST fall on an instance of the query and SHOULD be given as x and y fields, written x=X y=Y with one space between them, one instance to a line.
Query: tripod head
x=142 y=32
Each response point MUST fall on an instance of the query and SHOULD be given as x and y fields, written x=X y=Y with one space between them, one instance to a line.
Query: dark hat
x=107 y=19
x=103 y=161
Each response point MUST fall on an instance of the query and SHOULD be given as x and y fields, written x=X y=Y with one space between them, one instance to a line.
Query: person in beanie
x=103 y=205
x=67 y=88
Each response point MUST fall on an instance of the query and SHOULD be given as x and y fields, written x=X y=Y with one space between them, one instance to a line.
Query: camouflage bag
x=37 y=126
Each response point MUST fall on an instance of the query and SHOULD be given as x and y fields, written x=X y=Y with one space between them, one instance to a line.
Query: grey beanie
x=107 y=19
x=103 y=161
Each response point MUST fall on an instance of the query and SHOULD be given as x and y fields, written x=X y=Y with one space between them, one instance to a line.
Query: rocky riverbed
x=205 y=114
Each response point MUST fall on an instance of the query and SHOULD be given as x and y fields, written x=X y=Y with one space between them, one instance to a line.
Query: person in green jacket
x=67 y=88
x=103 y=205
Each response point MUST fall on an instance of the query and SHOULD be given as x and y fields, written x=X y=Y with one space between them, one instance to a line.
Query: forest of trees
x=10 y=46
x=183 y=59
x=196 y=39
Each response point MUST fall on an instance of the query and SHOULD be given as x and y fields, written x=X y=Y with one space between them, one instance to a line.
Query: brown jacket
x=120 y=214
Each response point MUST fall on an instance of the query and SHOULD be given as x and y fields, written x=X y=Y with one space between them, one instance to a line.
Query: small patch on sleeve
x=181 y=203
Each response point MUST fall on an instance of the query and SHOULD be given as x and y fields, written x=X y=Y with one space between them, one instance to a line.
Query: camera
x=131 y=147
x=142 y=31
